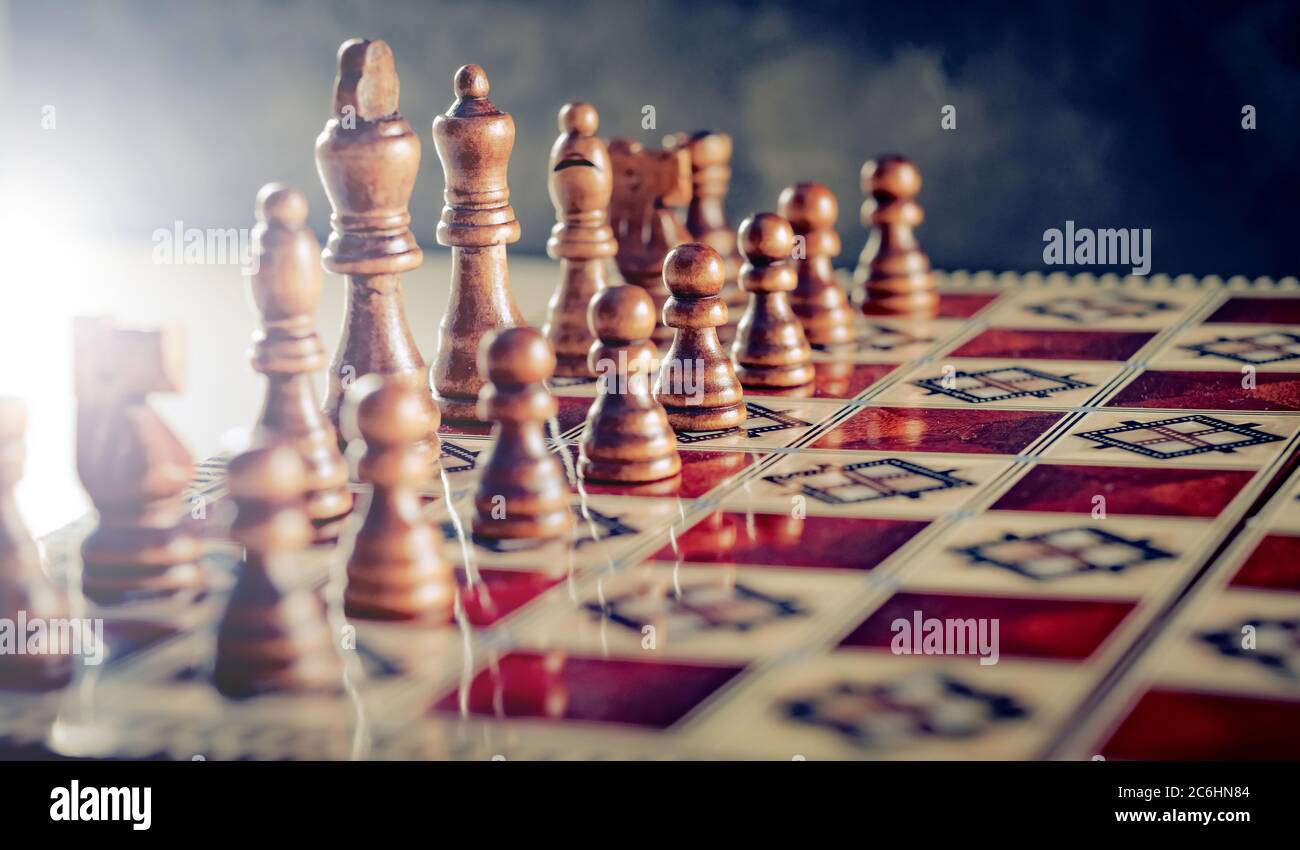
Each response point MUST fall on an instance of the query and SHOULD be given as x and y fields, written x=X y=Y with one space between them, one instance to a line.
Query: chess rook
x=24 y=587
x=627 y=437
x=286 y=291
x=697 y=385
x=893 y=271
x=581 y=184
x=647 y=185
x=474 y=140
x=273 y=635
x=821 y=304
x=396 y=570
x=132 y=466
x=368 y=157
x=706 y=217
x=770 y=349
x=522 y=492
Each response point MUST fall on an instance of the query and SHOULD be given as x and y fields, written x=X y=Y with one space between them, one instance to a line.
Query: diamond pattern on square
x=1125 y=490
x=1064 y=552
x=1000 y=384
x=905 y=429
x=1187 y=390
x=1100 y=308
x=769 y=423
x=1254 y=349
x=555 y=686
x=1274 y=647
x=1027 y=627
x=867 y=481
x=1055 y=344
x=783 y=540
x=1179 y=436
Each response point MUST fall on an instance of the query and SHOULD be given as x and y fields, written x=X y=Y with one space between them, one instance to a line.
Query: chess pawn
x=396 y=570
x=770 y=349
x=697 y=384
x=893 y=270
x=368 y=157
x=286 y=291
x=821 y=304
x=627 y=437
x=24 y=587
x=648 y=184
x=581 y=184
x=274 y=635
x=474 y=140
x=706 y=217
x=132 y=465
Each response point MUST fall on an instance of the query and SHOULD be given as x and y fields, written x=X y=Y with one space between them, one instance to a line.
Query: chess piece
x=627 y=437
x=706 y=217
x=286 y=291
x=893 y=270
x=697 y=384
x=474 y=141
x=274 y=635
x=647 y=185
x=821 y=304
x=581 y=184
x=770 y=349
x=367 y=157
x=132 y=465
x=523 y=492
x=396 y=570
x=25 y=590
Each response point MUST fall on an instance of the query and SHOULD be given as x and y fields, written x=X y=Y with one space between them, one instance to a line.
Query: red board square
x=963 y=305
x=1054 y=629
x=781 y=540
x=1211 y=391
x=931 y=429
x=701 y=472
x=1182 y=725
x=654 y=694
x=833 y=379
x=501 y=592
x=1053 y=344
x=1274 y=565
x=1245 y=310
x=1143 y=490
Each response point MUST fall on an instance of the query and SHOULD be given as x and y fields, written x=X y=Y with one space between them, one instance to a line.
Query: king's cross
x=1274 y=644
x=703 y=606
x=1064 y=552
x=1179 y=436
x=1255 y=349
x=922 y=705
x=867 y=481
x=1000 y=384
x=1098 y=308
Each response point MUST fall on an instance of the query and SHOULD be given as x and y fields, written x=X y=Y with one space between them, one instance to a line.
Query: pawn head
x=272 y=474
x=386 y=410
x=808 y=206
x=891 y=175
x=471 y=81
x=766 y=238
x=282 y=205
x=694 y=270
x=516 y=356
x=579 y=118
x=621 y=314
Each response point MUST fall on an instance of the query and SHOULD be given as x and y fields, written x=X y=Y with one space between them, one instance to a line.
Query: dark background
x=1113 y=114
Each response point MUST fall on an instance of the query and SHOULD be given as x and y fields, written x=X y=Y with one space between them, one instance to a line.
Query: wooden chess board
x=1104 y=468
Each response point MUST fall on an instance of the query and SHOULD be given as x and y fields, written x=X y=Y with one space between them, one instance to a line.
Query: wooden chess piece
x=286 y=290
x=581 y=184
x=706 y=217
x=627 y=437
x=474 y=141
x=697 y=384
x=25 y=590
x=770 y=349
x=368 y=157
x=132 y=465
x=522 y=492
x=396 y=570
x=821 y=304
x=893 y=270
x=647 y=185
x=274 y=635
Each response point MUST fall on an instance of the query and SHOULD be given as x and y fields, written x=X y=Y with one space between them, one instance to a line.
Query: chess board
x=1103 y=467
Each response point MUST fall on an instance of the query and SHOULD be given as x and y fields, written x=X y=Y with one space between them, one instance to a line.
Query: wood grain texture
x=818 y=300
x=706 y=216
x=893 y=271
x=770 y=349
